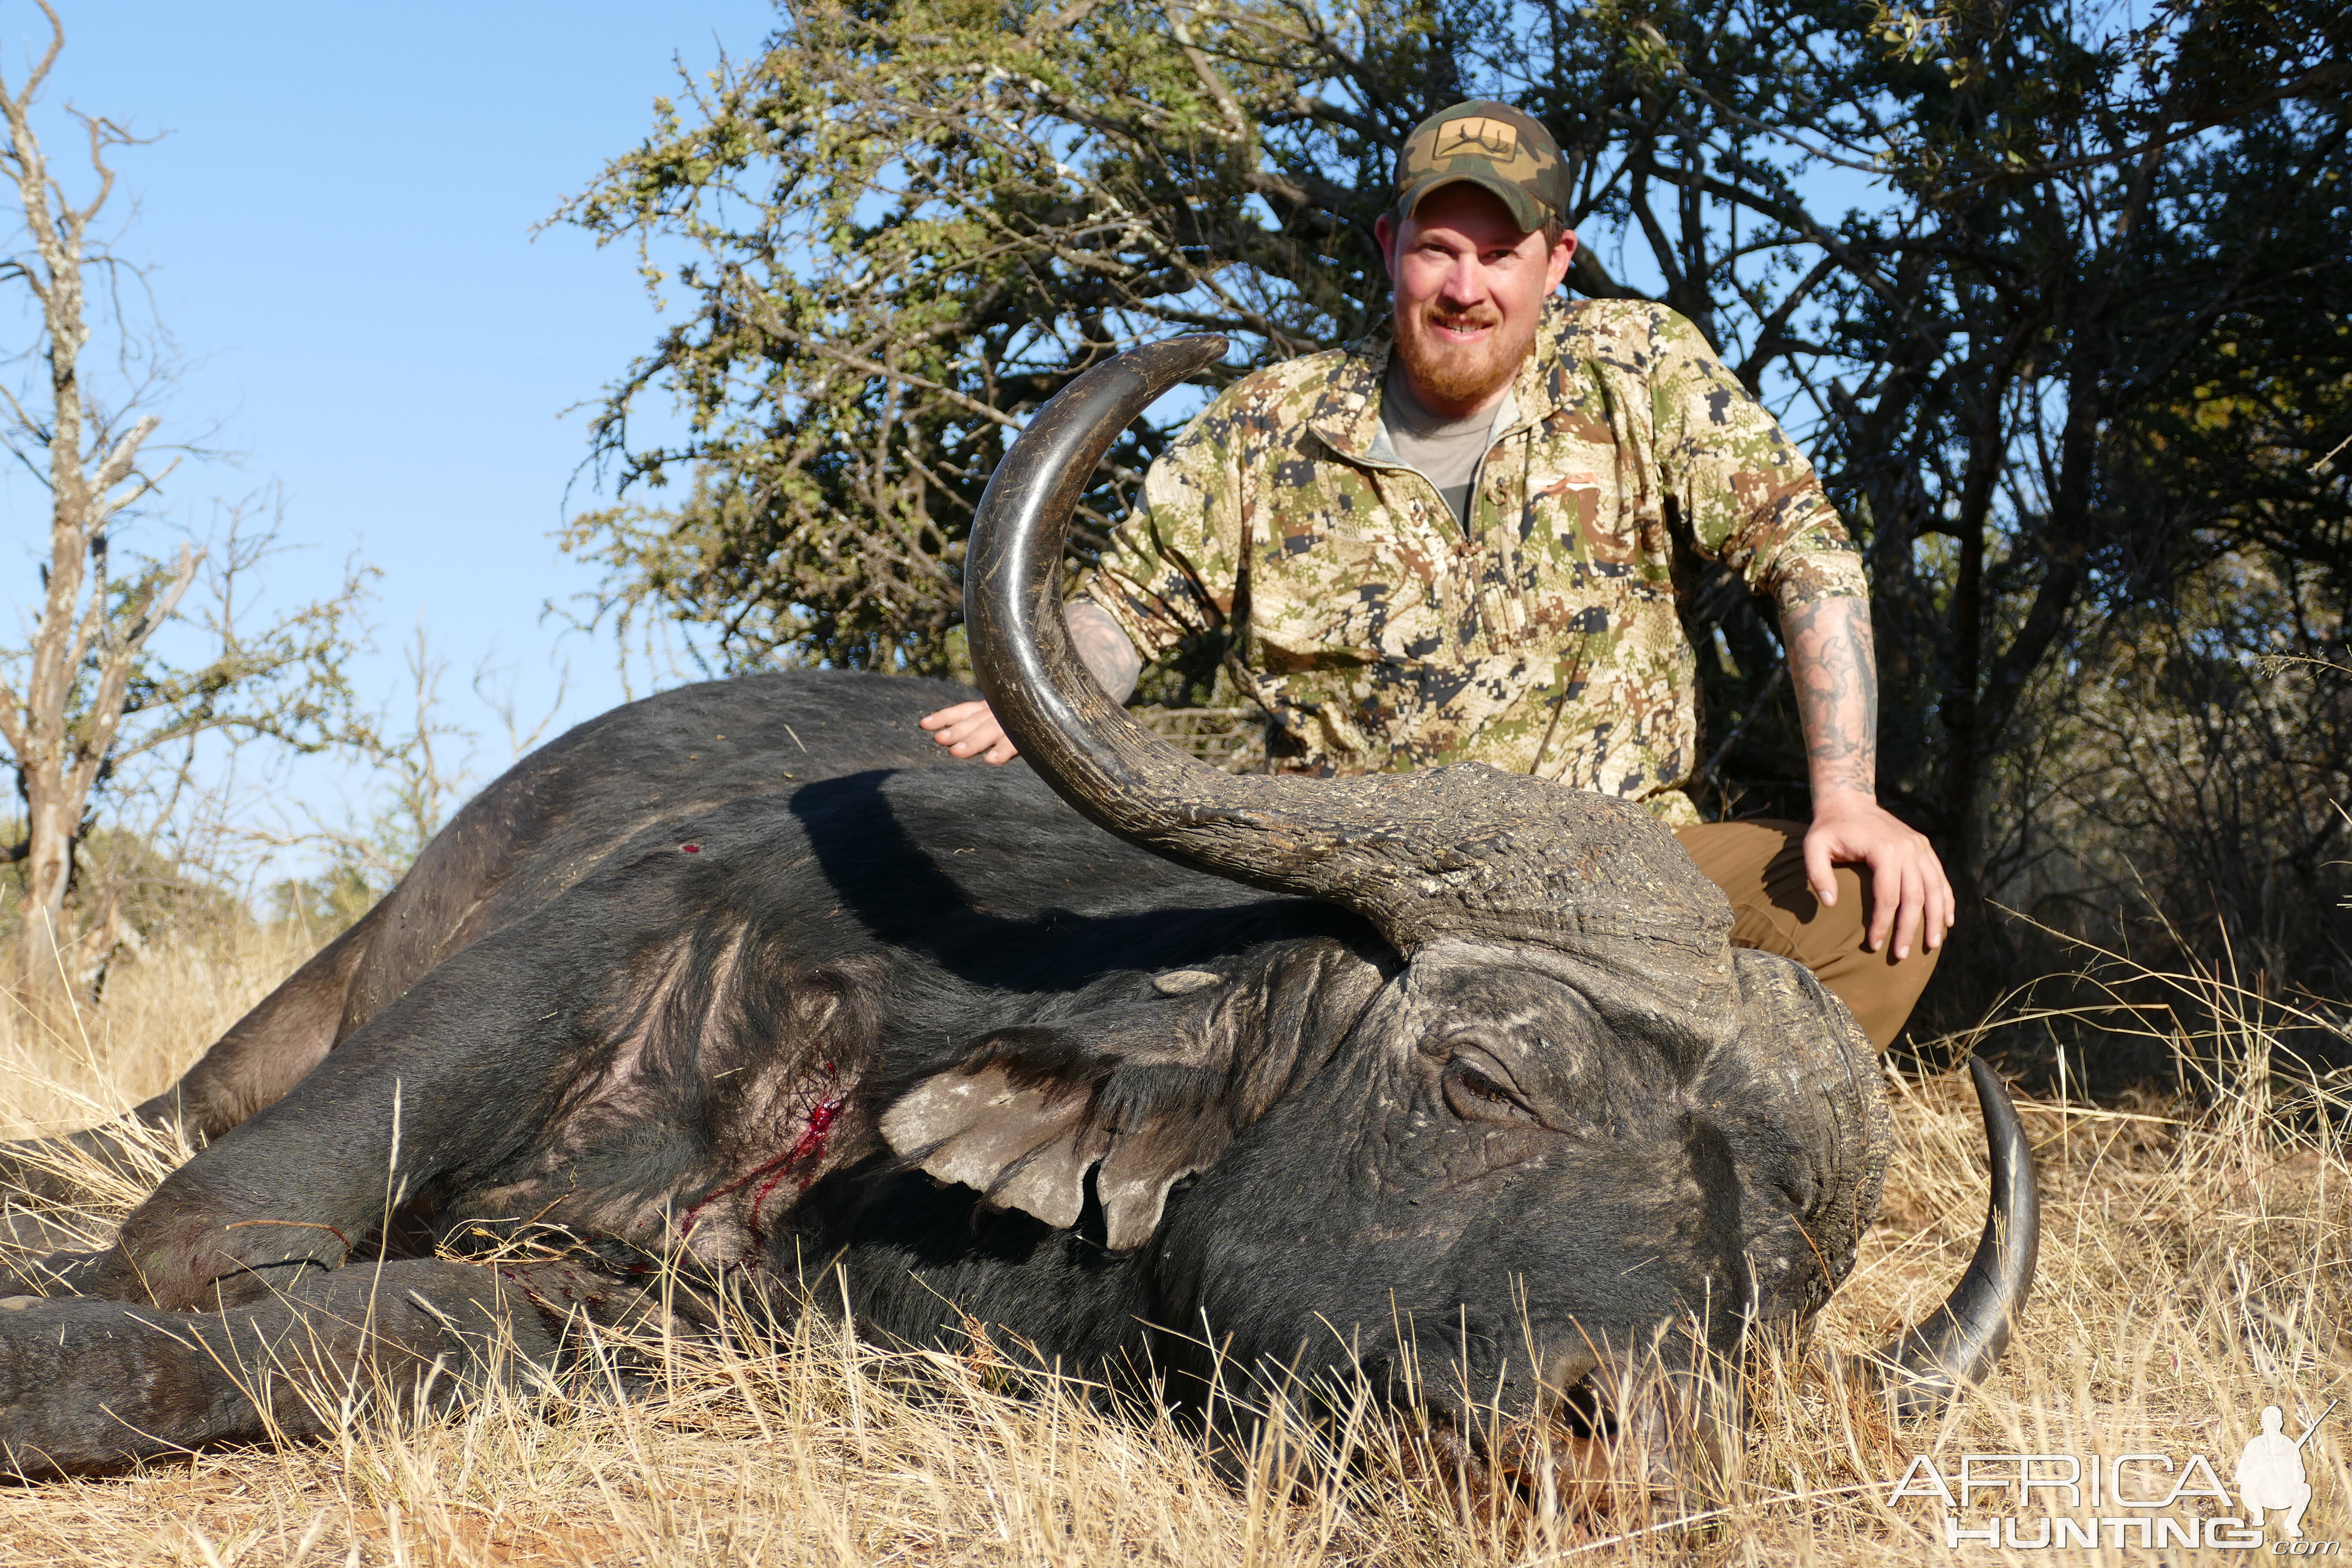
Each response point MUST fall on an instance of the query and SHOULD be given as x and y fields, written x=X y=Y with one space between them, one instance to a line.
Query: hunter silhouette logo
x=2270 y=1472
x=2145 y=1500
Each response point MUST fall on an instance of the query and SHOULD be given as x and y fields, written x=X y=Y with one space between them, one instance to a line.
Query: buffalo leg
x=452 y=1076
x=89 y=1386
x=35 y=1240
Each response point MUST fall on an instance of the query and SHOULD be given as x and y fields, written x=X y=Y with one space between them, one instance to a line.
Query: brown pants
x=1761 y=864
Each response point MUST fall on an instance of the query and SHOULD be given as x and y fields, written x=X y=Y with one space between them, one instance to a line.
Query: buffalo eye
x=1476 y=1094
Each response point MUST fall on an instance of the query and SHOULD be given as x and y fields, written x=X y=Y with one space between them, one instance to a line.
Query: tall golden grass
x=2194 y=1270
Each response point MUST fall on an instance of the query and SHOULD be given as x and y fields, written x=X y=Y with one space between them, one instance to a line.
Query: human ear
x=1384 y=234
x=1562 y=254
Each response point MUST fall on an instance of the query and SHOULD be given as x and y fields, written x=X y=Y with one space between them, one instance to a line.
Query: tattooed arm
x=969 y=729
x=1836 y=678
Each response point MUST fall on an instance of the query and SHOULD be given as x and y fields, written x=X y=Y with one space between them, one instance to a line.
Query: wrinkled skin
x=1488 y=1125
x=634 y=1049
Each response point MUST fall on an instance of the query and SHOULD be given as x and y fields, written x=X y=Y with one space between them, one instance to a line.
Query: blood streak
x=806 y=1152
x=802 y=1158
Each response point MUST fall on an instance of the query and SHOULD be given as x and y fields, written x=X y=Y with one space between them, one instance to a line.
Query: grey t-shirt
x=1448 y=451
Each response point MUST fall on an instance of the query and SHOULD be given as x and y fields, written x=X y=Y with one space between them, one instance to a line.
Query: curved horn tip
x=1205 y=349
x=1960 y=1343
x=1163 y=365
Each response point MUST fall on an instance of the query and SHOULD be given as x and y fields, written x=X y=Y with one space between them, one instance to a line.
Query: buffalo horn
x=1457 y=851
x=1961 y=1339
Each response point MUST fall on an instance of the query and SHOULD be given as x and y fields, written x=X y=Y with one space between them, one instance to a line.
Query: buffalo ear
x=1028 y=1145
x=1135 y=1180
x=1021 y=1147
x=1152 y=1088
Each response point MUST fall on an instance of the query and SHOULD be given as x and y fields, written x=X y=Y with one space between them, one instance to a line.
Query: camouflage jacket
x=1382 y=635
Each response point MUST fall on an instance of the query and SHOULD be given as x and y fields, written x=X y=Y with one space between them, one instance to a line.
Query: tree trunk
x=44 y=977
x=60 y=731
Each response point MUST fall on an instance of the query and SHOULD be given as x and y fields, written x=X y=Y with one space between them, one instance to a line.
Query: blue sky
x=337 y=225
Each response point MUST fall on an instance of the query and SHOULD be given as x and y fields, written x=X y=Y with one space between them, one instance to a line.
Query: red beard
x=1447 y=371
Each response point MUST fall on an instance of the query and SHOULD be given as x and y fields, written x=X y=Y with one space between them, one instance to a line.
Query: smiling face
x=1469 y=287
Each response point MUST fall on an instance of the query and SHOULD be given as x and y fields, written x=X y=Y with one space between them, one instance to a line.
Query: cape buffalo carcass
x=1452 y=1078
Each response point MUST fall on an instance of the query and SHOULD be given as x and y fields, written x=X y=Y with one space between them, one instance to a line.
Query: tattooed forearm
x=1836 y=676
x=1104 y=649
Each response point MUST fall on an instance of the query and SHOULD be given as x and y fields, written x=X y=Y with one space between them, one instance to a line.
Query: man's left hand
x=1908 y=887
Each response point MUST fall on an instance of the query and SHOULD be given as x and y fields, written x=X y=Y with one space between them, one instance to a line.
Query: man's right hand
x=969 y=729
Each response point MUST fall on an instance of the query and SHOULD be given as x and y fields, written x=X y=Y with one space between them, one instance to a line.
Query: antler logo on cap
x=1492 y=138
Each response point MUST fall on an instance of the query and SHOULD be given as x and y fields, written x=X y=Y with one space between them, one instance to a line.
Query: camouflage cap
x=1490 y=144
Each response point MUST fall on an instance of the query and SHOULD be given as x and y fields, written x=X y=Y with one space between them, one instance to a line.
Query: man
x=1460 y=546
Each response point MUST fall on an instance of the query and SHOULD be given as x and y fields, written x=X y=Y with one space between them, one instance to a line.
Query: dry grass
x=2194 y=1269
x=159 y=1013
